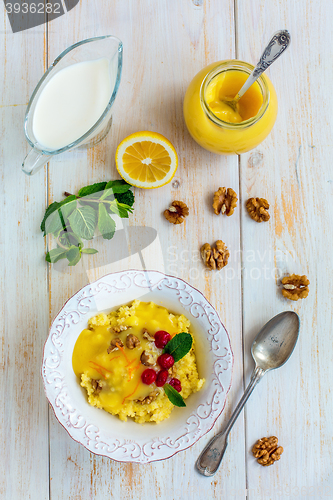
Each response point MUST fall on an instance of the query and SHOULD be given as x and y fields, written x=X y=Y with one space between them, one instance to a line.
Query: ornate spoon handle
x=279 y=42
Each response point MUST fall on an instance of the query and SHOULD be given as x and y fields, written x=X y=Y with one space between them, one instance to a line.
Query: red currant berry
x=162 y=338
x=161 y=377
x=175 y=383
x=148 y=376
x=165 y=360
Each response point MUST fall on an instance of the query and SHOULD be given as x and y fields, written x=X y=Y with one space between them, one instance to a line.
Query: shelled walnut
x=295 y=287
x=97 y=385
x=146 y=335
x=225 y=201
x=177 y=212
x=147 y=359
x=148 y=399
x=132 y=341
x=267 y=451
x=120 y=328
x=215 y=258
x=257 y=208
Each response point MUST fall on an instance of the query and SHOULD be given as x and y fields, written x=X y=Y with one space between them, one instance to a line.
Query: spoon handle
x=210 y=458
x=276 y=46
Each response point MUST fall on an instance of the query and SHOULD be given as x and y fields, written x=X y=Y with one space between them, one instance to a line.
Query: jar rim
x=234 y=64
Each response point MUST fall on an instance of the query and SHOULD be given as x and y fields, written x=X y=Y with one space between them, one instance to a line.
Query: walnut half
x=295 y=287
x=257 y=208
x=132 y=341
x=114 y=345
x=97 y=385
x=148 y=399
x=225 y=201
x=267 y=451
x=147 y=359
x=177 y=212
x=215 y=258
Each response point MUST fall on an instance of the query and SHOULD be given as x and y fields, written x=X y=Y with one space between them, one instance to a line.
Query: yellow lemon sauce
x=117 y=374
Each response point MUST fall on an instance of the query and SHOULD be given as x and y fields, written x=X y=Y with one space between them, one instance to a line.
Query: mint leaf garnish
x=73 y=255
x=76 y=217
x=106 y=225
x=53 y=223
x=50 y=209
x=179 y=345
x=83 y=222
x=118 y=186
x=173 y=395
x=93 y=188
x=68 y=206
x=56 y=254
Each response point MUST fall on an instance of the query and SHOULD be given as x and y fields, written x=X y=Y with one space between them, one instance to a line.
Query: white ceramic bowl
x=105 y=434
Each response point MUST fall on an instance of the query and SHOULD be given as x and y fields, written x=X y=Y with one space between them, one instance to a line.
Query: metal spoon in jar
x=271 y=348
x=276 y=46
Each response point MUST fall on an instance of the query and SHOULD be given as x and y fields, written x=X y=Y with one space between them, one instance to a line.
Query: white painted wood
x=24 y=467
x=292 y=169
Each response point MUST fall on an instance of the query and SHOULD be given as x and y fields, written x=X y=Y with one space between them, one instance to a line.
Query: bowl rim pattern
x=82 y=429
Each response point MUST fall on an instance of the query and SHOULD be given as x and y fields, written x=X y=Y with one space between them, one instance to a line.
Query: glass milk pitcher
x=105 y=52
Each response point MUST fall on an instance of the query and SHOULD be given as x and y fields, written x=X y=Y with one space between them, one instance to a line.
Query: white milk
x=71 y=103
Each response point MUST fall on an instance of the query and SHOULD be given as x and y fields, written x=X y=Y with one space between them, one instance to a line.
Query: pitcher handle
x=34 y=161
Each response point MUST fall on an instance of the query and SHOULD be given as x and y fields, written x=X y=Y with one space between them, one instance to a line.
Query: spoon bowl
x=275 y=342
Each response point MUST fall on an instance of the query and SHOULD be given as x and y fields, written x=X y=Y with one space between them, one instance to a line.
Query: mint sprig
x=77 y=217
x=173 y=395
x=179 y=346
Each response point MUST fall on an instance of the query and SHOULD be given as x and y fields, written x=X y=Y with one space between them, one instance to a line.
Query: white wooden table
x=165 y=45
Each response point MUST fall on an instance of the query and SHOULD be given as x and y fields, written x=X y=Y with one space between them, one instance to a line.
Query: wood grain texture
x=165 y=45
x=24 y=467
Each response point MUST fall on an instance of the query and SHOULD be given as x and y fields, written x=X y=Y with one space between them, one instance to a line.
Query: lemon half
x=146 y=160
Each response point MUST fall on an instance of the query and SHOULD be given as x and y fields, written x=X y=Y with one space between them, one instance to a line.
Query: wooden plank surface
x=165 y=45
x=24 y=466
x=157 y=69
x=293 y=170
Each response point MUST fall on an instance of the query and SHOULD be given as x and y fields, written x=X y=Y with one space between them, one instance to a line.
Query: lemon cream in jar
x=215 y=125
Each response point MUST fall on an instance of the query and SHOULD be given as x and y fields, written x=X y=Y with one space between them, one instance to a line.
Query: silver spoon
x=271 y=348
x=276 y=46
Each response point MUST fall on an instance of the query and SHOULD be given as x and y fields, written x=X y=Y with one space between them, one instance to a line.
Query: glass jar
x=223 y=137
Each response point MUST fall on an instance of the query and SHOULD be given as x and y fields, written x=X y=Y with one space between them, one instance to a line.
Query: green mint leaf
x=55 y=215
x=179 y=345
x=54 y=255
x=93 y=188
x=89 y=250
x=173 y=395
x=50 y=209
x=73 y=255
x=53 y=223
x=120 y=209
x=83 y=222
x=118 y=186
x=106 y=224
